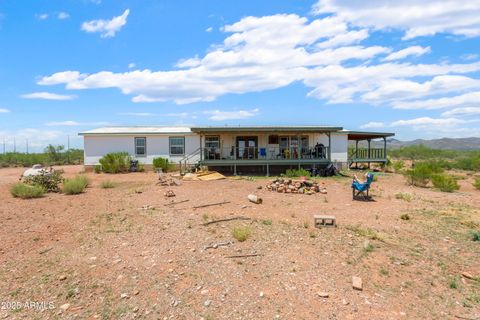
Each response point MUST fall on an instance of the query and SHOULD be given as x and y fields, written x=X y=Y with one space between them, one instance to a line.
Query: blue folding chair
x=360 y=190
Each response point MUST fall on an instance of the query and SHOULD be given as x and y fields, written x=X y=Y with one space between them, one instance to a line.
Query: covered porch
x=363 y=151
x=263 y=148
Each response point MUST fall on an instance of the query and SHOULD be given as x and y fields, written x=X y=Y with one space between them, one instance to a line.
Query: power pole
x=26 y=142
x=3 y=145
x=14 y=145
x=68 y=149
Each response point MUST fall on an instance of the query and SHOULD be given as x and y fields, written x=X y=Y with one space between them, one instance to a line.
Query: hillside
x=443 y=143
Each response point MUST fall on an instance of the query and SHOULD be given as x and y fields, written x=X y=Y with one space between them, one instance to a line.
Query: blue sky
x=68 y=66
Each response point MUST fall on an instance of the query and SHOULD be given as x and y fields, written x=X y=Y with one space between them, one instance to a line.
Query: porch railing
x=265 y=153
x=364 y=153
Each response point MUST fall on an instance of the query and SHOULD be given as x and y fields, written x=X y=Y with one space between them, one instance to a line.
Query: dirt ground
x=102 y=255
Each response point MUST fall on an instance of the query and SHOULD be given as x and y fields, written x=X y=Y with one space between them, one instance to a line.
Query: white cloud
x=209 y=29
x=63 y=15
x=3 y=110
x=416 y=18
x=467 y=99
x=136 y=114
x=47 y=96
x=469 y=56
x=264 y=53
x=42 y=16
x=37 y=139
x=410 y=51
x=373 y=125
x=219 y=115
x=468 y=111
x=70 y=123
x=131 y=65
x=427 y=121
x=106 y=28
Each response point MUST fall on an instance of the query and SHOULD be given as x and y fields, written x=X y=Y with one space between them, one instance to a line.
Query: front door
x=247 y=147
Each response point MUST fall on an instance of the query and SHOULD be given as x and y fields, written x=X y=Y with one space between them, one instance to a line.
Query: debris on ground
x=357 y=283
x=175 y=202
x=169 y=193
x=296 y=186
x=254 y=198
x=211 y=204
x=147 y=207
x=204 y=176
x=226 y=219
x=167 y=181
x=219 y=244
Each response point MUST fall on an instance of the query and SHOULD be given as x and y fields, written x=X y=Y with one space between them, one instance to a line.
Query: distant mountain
x=443 y=143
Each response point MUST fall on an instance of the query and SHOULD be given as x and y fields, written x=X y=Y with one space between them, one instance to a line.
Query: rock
x=64 y=307
x=467 y=275
x=345 y=302
x=261 y=294
x=322 y=294
x=207 y=303
x=136 y=292
x=357 y=283
x=124 y=296
x=204 y=292
x=366 y=244
x=62 y=277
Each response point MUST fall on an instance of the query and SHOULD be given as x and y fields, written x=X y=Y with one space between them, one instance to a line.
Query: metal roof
x=267 y=129
x=137 y=130
x=363 y=135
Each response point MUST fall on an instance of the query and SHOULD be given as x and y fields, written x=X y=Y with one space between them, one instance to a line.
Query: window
x=141 y=146
x=273 y=139
x=177 y=146
x=212 y=142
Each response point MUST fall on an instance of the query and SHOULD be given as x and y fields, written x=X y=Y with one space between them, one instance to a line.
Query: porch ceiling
x=359 y=135
x=269 y=129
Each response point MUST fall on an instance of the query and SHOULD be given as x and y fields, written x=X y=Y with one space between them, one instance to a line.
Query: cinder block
x=324 y=221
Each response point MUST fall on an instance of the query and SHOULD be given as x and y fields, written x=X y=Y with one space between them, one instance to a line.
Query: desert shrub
x=475 y=235
x=403 y=196
x=398 y=165
x=162 y=163
x=49 y=181
x=421 y=174
x=405 y=216
x=293 y=173
x=445 y=183
x=97 y=168
x=476 y=183
x=26 y=191
x=471 y=163
x=241 y=233
x=107 y=184
x=116 y=162
x=75 y=185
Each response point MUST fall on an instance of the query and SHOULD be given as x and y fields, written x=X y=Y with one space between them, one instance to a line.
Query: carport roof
x=365 y=135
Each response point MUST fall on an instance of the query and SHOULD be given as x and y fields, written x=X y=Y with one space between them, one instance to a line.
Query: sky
x=406 y=67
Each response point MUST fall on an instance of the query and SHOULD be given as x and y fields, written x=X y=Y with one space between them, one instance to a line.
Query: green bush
x=161 y=163
x=241 y=233
x=445 y=183
x=476 y=183
x=475 y=235
x=26 y=191
x=117 y=162
x=398 y=165
x=49 y=180
x=107 y=184
x=75 y=185
x=97 y=168
x=293 y=173
x=421 y=174
x=403 y=196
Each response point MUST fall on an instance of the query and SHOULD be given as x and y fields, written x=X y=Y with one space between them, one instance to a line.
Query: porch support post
x=385 y=147
x=356 y=148
x=369 y=149
x=268 y=170
x=329 y=146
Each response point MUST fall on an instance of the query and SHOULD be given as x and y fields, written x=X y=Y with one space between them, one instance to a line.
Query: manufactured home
x=239 y=150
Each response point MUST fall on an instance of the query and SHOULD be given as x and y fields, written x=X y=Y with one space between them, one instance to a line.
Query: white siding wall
x=157 y=146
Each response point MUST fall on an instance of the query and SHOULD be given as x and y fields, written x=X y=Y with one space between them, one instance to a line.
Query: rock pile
x=299 y=186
